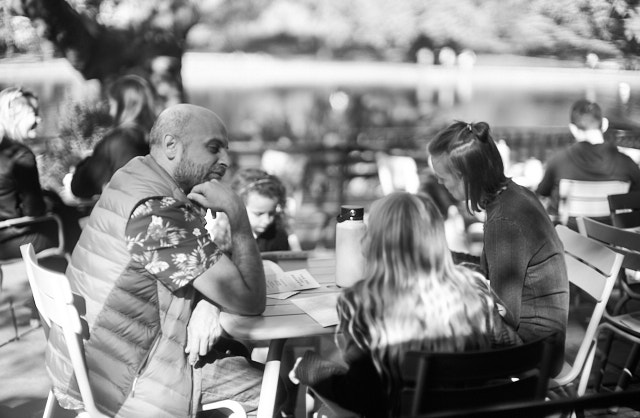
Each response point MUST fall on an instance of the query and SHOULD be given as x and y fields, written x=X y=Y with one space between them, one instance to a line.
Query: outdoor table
x=280 y=321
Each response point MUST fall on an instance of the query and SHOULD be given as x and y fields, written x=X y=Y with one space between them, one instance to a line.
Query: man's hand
x=203 y=330
x=216 y=196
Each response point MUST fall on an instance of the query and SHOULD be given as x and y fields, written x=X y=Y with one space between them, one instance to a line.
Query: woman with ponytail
x=522 y=257
x=413 y=297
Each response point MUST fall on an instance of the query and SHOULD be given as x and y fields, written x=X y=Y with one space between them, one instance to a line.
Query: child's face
x=261 y=211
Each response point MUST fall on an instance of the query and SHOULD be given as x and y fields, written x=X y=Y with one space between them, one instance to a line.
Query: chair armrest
x=30 y=220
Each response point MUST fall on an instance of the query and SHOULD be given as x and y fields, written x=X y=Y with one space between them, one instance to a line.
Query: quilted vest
x=138 y=328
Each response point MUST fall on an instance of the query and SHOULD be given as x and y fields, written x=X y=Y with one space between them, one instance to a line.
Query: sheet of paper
x=279 y=281
x=322 y=308
x=282 y=296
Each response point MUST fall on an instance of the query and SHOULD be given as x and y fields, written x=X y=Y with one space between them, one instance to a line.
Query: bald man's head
x=180 y=120
x=191 y=144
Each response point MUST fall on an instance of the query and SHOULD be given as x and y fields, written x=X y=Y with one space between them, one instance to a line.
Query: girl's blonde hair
x=413 y=296
x=15 y=103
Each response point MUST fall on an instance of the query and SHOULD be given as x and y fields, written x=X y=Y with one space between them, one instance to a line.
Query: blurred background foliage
x=387 y=30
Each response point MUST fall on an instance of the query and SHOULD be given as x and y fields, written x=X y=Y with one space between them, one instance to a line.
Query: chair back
x=625 y=209
x=441 y=381
x=623 y=241
x=56 y=305
x=593 y=268
x=587 y=198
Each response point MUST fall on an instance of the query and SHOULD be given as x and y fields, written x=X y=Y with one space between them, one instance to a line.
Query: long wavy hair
x=413 y=296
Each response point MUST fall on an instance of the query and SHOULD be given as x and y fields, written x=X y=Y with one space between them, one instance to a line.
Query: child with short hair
x=264 y=196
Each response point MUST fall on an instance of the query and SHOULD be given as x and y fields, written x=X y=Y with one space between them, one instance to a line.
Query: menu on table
x=322 y=308
x=282 y=284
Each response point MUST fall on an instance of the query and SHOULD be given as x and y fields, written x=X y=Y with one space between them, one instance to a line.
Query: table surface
x=281 y=318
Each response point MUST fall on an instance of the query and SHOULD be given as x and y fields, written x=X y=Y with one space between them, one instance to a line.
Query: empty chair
x=57 y=307
x=593 y=268
x=626 y=326
x=444 y=381
x=587 y=198
x=625 y=209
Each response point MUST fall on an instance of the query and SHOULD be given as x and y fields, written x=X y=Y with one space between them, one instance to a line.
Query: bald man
x=154 y=282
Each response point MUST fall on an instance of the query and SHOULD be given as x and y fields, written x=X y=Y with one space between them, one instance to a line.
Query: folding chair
x=55 y=303
x=587 y=198
x=32 y=220
x=625 y=209
x=593 y=268
x=437 y=382
x=626 y=326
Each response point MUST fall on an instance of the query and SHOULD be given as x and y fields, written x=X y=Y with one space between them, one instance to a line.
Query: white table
x=280 y=321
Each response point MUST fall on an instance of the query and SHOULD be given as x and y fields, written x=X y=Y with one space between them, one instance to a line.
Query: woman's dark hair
x=473 y=154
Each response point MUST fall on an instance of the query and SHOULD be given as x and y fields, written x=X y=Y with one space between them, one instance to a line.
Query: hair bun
x=481 y=130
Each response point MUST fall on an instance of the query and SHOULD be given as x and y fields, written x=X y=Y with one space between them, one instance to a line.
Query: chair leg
x=603 y=363
x=50 y=407
x=14 y=320
x=627 y=373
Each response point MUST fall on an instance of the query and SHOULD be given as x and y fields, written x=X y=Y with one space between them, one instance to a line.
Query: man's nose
x=224 y=158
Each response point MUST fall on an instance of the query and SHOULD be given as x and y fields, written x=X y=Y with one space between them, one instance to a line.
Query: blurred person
x=132 y=106
x=522 y=255
x=155 y=283
x=452 y=309
x=20 y=190
x=265 y=198
x=590 y=158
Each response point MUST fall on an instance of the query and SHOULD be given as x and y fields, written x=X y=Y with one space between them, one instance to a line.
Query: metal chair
x=587 y=198
x=468 y=380
x=593 y=268
x=32 y=220
x=57 y=305
x=626 y=326
x=625 y=209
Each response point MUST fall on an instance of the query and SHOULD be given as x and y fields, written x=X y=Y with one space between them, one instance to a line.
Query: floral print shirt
x=168 y=239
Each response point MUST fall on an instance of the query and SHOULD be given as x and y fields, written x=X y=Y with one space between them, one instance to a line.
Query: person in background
x=522 y=255
x=590 y=158
x=408 y=265
x=265 y=198
x=155 y=283
x=20 y=190
x=132 y=106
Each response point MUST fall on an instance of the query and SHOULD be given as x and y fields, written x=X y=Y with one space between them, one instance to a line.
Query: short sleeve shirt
x=168 y=239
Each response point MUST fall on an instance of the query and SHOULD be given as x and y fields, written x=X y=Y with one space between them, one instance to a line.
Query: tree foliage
x=132 y=33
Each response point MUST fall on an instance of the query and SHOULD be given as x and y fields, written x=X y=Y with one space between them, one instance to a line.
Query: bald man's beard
x=188 y=174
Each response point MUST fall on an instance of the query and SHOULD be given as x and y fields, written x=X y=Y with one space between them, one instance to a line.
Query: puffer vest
x=138 y=328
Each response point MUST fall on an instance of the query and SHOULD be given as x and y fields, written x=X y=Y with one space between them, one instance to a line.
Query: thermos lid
x=351 y=213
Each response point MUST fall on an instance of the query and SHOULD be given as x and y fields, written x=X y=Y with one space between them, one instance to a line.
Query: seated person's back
x=591 y=158
x=413 y=297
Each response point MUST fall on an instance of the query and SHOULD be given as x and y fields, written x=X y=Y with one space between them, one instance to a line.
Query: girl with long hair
x=413 y=297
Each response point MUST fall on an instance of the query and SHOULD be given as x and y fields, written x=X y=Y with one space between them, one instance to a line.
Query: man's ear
x=171 y=146
x=605 y=125
x=576 y=132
